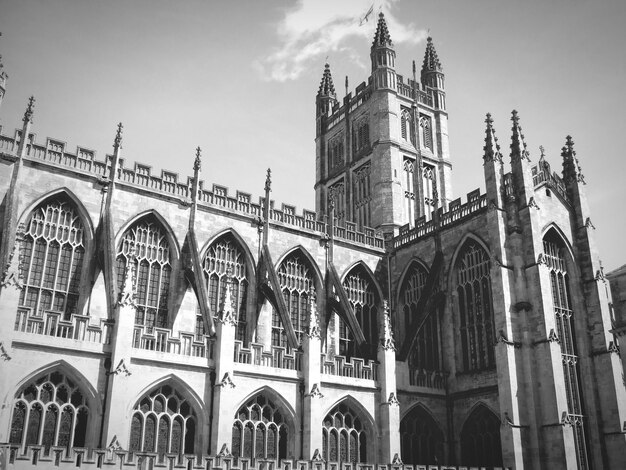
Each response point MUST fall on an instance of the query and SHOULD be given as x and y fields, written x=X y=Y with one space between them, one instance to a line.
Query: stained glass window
x=480 y=439
x=361 y=292
x=362 y=195
x=51 y=258
x=421 y=438
x=343 y=436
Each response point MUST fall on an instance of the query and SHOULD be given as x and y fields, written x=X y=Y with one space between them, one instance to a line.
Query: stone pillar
x=224 y=362
x=312 y=426
x=389 y=427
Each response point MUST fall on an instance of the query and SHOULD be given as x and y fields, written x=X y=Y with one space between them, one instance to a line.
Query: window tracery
x=51 y=258
x=363 y=299
x=336 y=193
x=260 y=430
x=343 y=436
x=426 y=135
x=407 y=130
x=362 y=195
x=50 y=411
x=226 y=254
x=475 y=307
x=429 y=183
x=480 y=439
x=145 y=244
x=296 y=279
x=336 y=152
x=421 y=438
x=409 y=189
x=163 y=421
x=360 y=134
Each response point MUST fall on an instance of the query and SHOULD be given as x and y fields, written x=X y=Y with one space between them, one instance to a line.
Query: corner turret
x=383 y=57
x=432 y=75
x=326 y=95
x=492 y=165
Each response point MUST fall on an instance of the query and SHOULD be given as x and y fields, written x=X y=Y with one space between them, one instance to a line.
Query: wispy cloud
x=316 y=28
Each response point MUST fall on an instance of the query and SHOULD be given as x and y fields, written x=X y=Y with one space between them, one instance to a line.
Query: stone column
x=389 y=428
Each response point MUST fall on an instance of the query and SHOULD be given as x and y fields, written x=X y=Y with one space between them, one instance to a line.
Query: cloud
x=316 y=28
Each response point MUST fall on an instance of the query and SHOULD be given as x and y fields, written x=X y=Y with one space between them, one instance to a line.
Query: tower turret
x=432 y=75
x=383 y=57
x=326 y=96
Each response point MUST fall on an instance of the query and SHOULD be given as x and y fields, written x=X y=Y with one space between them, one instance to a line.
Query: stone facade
x=150 y=320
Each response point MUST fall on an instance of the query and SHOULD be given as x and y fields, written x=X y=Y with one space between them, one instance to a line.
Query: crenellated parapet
x=170 y=185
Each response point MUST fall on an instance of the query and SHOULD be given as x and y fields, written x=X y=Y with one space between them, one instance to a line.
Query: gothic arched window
x=480 y=439
x=475 y=307
x=361 y=292
x=223 y=256
x=362 y=195
x=51 y=258
x=425 y=353
x=343 y=436
x=163 y=421
x=296 y=279
x=421 y=438
x=554 y=250
x=335 y=152
x=336 y=193
x=50 y=411
x=426 y=135
x=409 y=190
x=260 y=430
x=429 y=183
x=145 y=244
x=360 y=134
x=406 y=126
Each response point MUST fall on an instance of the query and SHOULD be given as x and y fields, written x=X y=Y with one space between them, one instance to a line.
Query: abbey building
x=149 y=320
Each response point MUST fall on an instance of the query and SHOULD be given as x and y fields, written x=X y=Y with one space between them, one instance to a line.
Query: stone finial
x=431 y=59
x=571 y=166
x=197 y=161
x=117 y=142
x=386 y=338
x=382 y=37
x=492 y=147
x=28 y=114
x=268 y=182
x=518 y=146
x=327 y=88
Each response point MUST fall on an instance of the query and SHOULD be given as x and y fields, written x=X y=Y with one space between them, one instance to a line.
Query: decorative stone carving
x=114 y=444
x=613 y=348
x=224 y=451
x=393 y=400
x=3 y=352
x=503 y=339
x=121 y=369
x=532 y=203
x=11 y=275
x=127 y=294
x=396 y=460
x=317 y=456
x=386 y=338
x=227 y=381
x=541 y=259
x=315 y=392
x=552 y=337
x=314 y=330
x=588 y=224
x=228 y=315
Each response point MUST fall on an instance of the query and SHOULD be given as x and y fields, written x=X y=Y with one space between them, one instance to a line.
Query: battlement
x=362 y=93
x=414 y=91
x=457 y=212
x=13 y=458
x=169 y=184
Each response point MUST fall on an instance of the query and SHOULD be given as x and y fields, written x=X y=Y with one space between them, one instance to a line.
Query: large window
x=260 y=430
x=51 y=258
x=50 y=411
x=364 y=301
x=337 y=194
x=360 y=135
x=429 y=182
x=146 y=247
x=225 y=256
x=336 y=152
x=475 y=307
x=407 y=130
x=296 y=279
x=426 y=135
x=163 y=421
x=425 y=352
x=480 y=439
x=409 y=190
x=343 y=436
x=554 y=250
x=362 y=195
x=421 y=439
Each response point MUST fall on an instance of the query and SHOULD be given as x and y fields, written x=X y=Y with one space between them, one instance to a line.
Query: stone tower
x=382 y=154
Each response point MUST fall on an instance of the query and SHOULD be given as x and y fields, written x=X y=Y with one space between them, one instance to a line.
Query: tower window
x=429 y=182
x=362 y=195
x=336 y=152
x=407 y=129
x=409 y=190
x=361 y=135
x=426 y=135
x=336 y=192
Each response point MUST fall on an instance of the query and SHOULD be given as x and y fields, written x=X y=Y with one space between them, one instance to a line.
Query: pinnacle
x=431 y=59
x=117 y=143
x=518 y=146
x=197 y=161
x=28 y=114
x=491 y=148
x=327 y=88
x=382 y=37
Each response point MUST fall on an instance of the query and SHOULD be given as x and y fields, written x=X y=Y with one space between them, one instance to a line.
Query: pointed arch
x=166 y=417
x=470 y=275
x=368 y=270
x=242 y=243
x=54 y=252
x=305 y=253
x=421 y=437
x=480 y=438
x=169 y=232
x=552 y=229
x=54 y=405
x=262 y=424
x=468 y=237
x=347 y=431
x=223 y=252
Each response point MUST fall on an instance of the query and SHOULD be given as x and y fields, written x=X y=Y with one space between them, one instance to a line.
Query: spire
x=28 y=114
x=117 y=142
x=518 y=146
x=382 y=37
x=571 y=167
x=431 y=59
x=266 y=206
x=491 y=148
x=197 y=162
x=327 y=88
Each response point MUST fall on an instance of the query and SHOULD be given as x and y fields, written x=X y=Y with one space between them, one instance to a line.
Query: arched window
x=475 y=307
x=51 y=258
x=50 y=411
x=145 y=244
x=360 y=135
x=554 y=250
x=260 y=430
x=426 y=136
x=296 y=279
x=429 y=182
x=362 y=195
x=421 y=438
x=224 y=255
x=343 y=436
x=163 y=421
x=406 y=126
x=409 y=190
x=425 y=353
x=335 y=152
x=364 y=301
x=480 y=439
x=336 y=192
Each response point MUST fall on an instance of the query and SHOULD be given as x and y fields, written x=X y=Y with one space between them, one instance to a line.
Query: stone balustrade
x=163 y=340
x=354 y=368
x=428 y=378
x=277 y=356
x=52 y=324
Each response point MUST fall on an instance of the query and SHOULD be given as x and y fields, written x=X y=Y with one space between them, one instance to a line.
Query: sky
x=239 y=78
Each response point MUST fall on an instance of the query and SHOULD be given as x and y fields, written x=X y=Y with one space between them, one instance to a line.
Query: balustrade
x=163 y=340
x=52 y=324
x=431 y=379
x=277 y=356
x=355 y=367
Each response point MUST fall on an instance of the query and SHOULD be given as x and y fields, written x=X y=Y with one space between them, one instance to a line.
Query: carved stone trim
x=553 y=337
x=314 y=330
x=532 y=203
x=224 y=451
x=11 y=275
x=121 y=369
x=396 y=460
x=315 y=392
x=510 y=422
x=227 y=381
x=392 y=400
x=228 y=315
x=3 y=352
x=317 y=456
